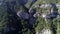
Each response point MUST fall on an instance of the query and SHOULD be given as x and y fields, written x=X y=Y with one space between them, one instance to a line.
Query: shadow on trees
x=14 y=25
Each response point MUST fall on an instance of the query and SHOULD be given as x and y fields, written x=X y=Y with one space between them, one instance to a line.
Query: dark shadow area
x=14 y=25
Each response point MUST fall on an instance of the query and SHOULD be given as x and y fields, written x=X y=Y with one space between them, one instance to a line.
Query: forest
x=29 y=16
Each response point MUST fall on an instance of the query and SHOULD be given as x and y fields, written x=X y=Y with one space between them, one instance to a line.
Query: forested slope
x=22 y=17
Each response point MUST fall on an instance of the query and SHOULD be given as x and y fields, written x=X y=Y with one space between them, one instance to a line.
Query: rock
x=23 y=15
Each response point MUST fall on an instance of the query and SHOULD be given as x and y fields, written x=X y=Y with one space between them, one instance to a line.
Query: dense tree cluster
x=15 y=17
x=17 y=24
